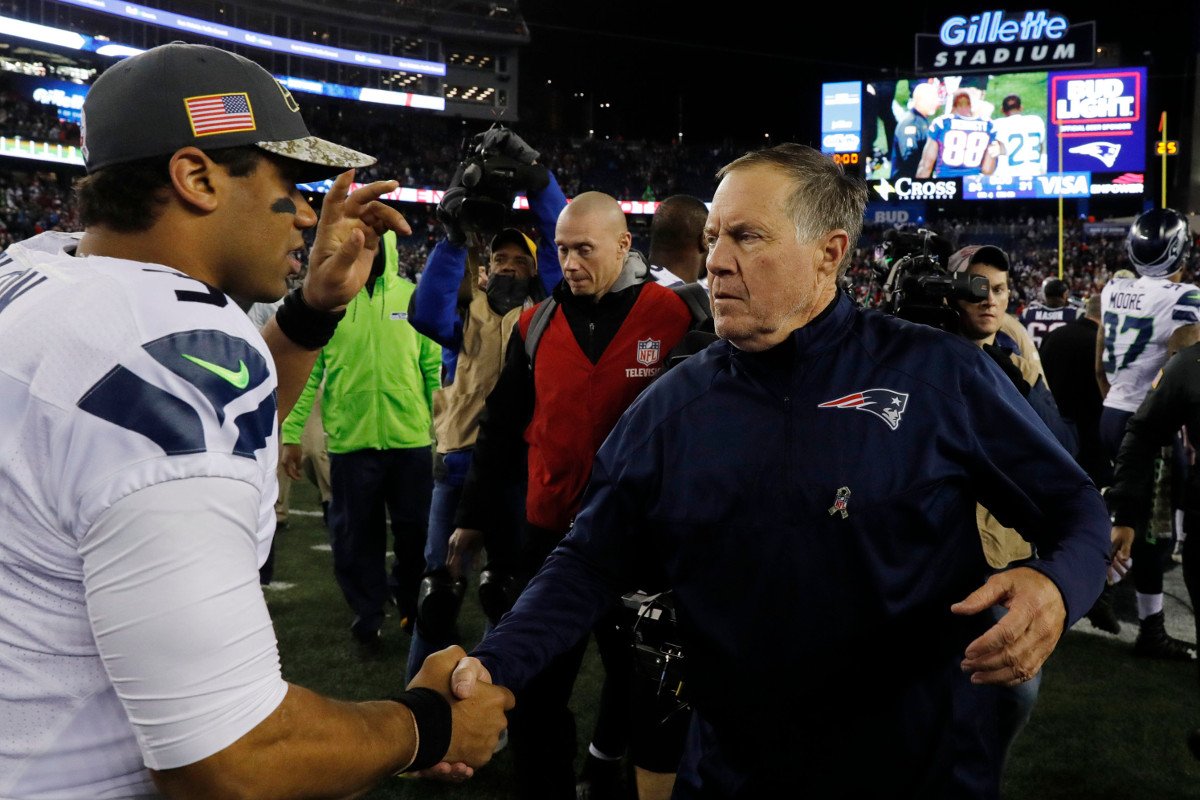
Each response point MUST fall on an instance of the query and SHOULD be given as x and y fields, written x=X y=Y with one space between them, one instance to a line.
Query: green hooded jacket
x=379 y=373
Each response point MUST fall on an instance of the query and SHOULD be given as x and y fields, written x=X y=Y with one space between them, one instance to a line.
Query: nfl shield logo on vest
x=649 y=351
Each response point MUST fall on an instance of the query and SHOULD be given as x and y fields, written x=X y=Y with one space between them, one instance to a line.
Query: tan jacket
x=1001 y=545
x=1012 y=327
x=456 y=408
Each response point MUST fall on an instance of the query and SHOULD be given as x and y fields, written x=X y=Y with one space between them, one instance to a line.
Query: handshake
x=477 y=714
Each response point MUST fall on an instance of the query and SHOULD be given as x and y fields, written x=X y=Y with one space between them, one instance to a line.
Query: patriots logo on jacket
x=887 y=404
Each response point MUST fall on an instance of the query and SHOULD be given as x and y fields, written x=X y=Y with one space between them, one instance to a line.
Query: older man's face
x=763 y=281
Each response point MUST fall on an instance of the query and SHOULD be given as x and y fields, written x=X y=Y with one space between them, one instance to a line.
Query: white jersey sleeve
x=1138 y=317
x=115 y=376
x=180 y=622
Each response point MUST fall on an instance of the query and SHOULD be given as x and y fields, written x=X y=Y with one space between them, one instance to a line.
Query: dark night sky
x=747 y=71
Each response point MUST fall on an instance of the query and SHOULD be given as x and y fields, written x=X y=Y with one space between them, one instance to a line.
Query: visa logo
x=1066 y=185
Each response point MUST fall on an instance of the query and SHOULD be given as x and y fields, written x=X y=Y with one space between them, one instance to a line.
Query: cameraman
x=471 y=314
x=980 y=321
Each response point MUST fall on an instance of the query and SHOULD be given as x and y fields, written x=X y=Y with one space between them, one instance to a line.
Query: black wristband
x=305 y=325
x=431 y=713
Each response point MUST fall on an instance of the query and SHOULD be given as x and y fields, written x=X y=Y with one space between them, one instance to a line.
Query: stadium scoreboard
x=1096 y=119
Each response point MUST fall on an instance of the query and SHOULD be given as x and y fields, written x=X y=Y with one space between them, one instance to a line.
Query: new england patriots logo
x=1105 y=152
x=887 y=404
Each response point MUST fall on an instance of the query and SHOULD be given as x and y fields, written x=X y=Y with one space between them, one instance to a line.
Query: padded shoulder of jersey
x=142 y=346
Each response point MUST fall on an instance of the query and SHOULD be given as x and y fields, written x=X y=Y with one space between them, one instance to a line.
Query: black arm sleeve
x=1160 y=415
x=500 y=445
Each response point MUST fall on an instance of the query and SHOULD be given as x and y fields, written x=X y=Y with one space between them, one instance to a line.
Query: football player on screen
x=960 y=143
x=1024 y=139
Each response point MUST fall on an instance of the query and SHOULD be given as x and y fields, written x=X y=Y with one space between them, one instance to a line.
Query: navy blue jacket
x=821 y=651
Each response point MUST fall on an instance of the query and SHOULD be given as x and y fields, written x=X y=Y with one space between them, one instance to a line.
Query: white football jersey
x=1138 y=317
x=1024 y=139
x=115 y=376
x=664 y=277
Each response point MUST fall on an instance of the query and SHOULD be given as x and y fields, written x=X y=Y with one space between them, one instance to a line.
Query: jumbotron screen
x=992 y=137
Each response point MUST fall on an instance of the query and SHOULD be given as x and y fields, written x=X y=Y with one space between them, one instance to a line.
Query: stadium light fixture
x=42 y=33
x=118 y=50
x=227 y=33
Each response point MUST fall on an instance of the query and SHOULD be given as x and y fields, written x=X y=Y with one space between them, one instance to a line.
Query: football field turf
x=1106 y=725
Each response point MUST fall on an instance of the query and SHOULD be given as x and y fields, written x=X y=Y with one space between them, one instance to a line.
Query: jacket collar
x=822 y=333
x=633 y=273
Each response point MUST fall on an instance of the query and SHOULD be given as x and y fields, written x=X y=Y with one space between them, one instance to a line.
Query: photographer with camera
x=807 y=489
x=471 y=312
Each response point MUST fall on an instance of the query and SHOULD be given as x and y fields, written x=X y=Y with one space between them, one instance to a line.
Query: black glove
x=502 y=140
x=1001 y=356
x=448 y=209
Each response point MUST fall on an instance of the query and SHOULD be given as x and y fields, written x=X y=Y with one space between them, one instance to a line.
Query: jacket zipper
x=787 y=447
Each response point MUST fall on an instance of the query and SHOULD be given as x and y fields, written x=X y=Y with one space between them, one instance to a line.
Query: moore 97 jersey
x=1138 y=317
x=1024 y=140
x=1040 y=319
x=962 y=144
x=115 y=376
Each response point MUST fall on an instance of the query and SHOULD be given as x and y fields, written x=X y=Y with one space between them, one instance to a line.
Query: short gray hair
x=825 y=198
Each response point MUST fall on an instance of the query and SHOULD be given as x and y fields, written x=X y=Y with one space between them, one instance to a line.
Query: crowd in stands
x=422 y=152
x=35 y=199
x=29 y=120
x=32 y=202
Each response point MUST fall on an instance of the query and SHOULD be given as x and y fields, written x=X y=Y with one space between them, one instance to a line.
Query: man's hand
x=507 y=142
x=465 y=544
x=290 y=456
x=468 y=673
x=478 y=719
x=1120 y=562
x=1014 y=649
x=347 y=240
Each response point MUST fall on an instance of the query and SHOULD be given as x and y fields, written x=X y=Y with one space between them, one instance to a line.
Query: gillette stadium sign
x=991 y=40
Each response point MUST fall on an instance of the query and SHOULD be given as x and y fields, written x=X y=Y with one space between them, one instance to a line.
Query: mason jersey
x=1138 y=317
x=1040 y=319
x=115 y=376
x=962 y=144
x=1024 y=140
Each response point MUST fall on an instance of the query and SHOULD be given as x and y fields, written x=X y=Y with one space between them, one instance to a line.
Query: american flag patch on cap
x=220 y=113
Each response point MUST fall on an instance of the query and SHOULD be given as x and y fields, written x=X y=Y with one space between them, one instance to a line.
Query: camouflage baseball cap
x=179 y=95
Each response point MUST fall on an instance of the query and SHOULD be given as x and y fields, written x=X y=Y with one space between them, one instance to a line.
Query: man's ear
x=833 y=250
x=195 y=179
x=625 y=241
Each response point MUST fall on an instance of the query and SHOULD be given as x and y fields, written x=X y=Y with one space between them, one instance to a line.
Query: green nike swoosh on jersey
x=239 y=379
